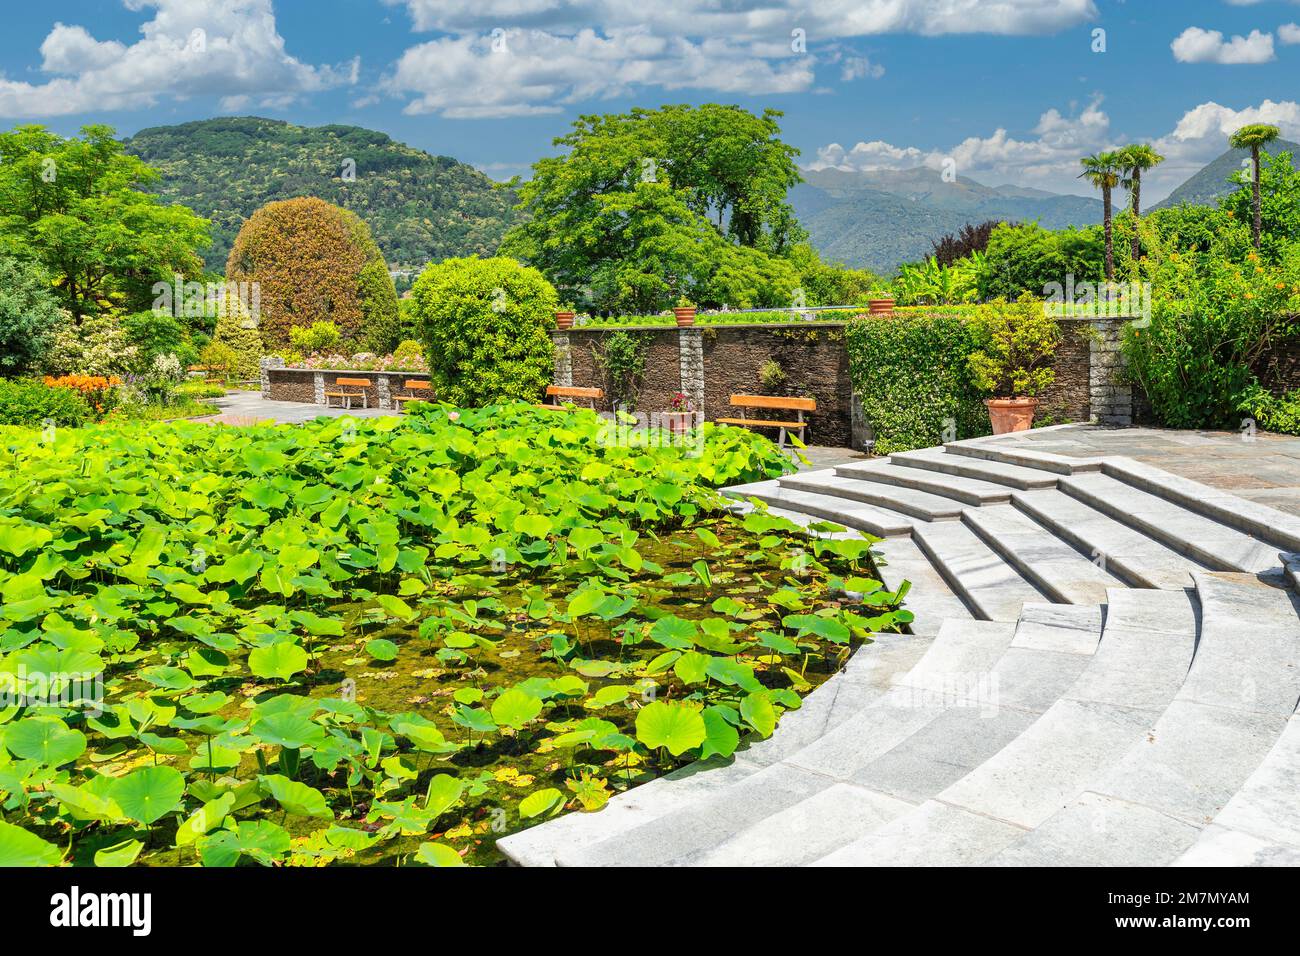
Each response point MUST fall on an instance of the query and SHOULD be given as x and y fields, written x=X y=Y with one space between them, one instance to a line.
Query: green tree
x=641 y=208
x=1134 y=160
x=1279 y=204
x=485 y=325
x=237 y=339
x=78 y=207
x=1103 y=171
x=1028 y=258
x=29 y=317
x=1254 y=137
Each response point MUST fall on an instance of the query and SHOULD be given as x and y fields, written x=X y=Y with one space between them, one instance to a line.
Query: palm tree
x=1252 y=137
x=1103 y=171
x=1134 y=159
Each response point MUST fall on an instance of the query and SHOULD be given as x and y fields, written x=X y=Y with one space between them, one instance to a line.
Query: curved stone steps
x=905 y=501
x=1052 y=565
x=970 y=491
x=693 y=832
x=1260 y=825
x=1084 y=731
x=964 y=466
x=930 y=599
x=1138 y=559
x=851 y=514
x=1153 y=804
x=991 y=587
x=1214 y=544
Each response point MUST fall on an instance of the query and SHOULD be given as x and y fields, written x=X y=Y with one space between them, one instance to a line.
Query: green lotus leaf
x=281 y=660
x=677 y=726
x=514 y=708
x=539 y=802
x=381 y=649
x=150 y=793
x=19 y=847
x=438 y=854
x=295 y=797
x=758 y=712
x=674 y=633
x=721 y=738
x=691 y=667
x=46 y=740
x=260 y=840
x=119 y=854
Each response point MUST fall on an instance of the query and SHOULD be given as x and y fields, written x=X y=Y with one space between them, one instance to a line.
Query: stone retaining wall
x=283 y=384
x=709 y=363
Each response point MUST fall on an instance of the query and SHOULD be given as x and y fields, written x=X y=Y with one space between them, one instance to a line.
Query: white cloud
x=1289 y=33
x=1195 y=45
x=225 y=48
x=747 y=20
x=527 y=72
x=1050 y=158
x=562 y=51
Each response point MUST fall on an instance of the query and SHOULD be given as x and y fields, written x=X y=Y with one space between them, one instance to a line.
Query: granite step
x=930 y=599
x=851 y=514
x=1129 y=554
x=1010 y=453
x=970 y=491
x=906 y=501
x=1218 y=730
x=1054 y=566
x=991 y=587
x=963 y=466
x=1204 y=539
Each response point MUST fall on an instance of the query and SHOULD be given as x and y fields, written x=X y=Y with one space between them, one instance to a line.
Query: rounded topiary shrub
x=485 y=325
x=315 y=262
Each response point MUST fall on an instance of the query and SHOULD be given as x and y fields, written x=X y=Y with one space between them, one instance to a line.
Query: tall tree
x=1135 y=159
x=1103 y=171
x=77 y=206
x=641 y=206
x=1254 y=137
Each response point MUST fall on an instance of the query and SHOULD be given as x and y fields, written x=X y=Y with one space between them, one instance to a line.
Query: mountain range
x=1212 y=183
x=418 y=206
x=878 y=219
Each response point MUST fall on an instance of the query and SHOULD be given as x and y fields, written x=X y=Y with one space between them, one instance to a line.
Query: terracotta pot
x=685 y=316
x=564 y=320
x=1011 y=414
x=679 y=423
x=880 y=306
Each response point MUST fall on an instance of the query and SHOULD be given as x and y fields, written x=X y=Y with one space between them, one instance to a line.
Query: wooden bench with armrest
x=414 y=385
x=772 y=404
x=569 y=392
x=360 y=384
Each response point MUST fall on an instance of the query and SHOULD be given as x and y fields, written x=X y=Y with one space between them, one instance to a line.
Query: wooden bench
x=209 y=373
x=341 y=383
x=413 y=385
x=559 y=392
x=776 y=403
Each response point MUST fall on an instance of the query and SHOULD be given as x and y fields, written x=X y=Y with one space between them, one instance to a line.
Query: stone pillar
x=861 y=434
x=318 y=388
x=1110 y=401
x=563 y=359
x=265 y=363
x=384 y=391
x=690 y=348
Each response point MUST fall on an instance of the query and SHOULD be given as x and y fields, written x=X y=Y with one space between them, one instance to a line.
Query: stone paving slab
x=936 y=834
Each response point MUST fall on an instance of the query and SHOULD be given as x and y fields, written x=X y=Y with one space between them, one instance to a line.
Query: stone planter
x=880 y=306
x=1011 y=414
x=564 y=320
x=685 y=316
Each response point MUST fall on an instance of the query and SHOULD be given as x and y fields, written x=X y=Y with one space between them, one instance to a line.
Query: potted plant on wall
x=1015 y=344
x=684 y=311
x=680 y=415
x=880 y=303
x=564 y=317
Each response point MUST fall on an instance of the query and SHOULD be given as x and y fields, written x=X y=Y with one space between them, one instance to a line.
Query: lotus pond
x=387 y=641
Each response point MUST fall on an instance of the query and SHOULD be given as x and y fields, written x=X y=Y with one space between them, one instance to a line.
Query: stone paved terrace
x=1103 y=671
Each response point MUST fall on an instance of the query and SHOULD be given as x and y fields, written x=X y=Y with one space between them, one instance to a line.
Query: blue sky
x=1010 y=90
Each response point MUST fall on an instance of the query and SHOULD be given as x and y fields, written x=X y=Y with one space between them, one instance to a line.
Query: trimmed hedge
x=914 y=379
x=28 y=402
